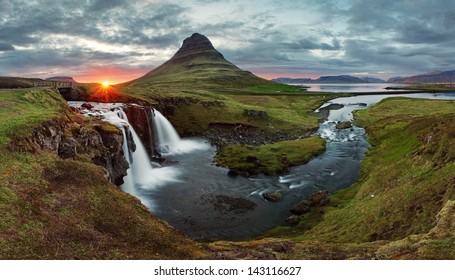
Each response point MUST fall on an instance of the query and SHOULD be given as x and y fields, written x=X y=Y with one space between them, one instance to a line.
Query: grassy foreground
x=66 y=209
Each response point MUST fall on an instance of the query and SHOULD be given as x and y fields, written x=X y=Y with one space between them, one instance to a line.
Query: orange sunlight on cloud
x=102 y=93
x=114 y=75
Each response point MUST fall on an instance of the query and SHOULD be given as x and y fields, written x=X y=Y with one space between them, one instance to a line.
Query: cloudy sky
x=94 y=40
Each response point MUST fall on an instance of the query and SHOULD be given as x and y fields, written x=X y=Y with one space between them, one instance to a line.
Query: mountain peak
x=196 y=41
x=197 y=44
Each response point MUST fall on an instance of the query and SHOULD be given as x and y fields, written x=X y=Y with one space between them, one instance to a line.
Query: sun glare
x=105 y=83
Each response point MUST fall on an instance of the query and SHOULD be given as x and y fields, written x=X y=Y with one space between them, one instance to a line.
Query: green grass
x=23 y=110
x=269 y=159
x=406 y=178
x=277 y=88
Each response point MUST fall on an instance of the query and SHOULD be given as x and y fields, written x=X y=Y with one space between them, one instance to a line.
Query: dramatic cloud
x=6 y=47
x=271 y=38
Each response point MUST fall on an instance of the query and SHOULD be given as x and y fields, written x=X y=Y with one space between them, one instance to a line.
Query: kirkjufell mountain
x=196 y=63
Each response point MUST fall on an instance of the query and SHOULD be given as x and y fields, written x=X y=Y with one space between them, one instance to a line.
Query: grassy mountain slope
x=55 y=208
x=197 y=64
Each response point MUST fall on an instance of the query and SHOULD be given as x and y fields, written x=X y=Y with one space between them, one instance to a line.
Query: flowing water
x=167 y=139
x=202 y=201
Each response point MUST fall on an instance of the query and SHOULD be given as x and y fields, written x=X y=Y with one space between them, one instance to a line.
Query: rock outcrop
x=101 y=142
x=316 y=199
x=343 y=125
x=255 y=114
x=272 y=196
x=140 y=118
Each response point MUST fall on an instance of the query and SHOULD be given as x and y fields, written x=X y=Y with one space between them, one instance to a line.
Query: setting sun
x=105 y=83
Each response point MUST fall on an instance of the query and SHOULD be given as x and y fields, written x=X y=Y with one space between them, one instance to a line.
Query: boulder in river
x=343 y=125
x=272 y=196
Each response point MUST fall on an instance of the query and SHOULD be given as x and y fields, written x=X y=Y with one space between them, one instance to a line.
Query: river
x=203 y=202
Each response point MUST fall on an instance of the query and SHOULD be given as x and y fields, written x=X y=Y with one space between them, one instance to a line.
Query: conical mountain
x=198 y=64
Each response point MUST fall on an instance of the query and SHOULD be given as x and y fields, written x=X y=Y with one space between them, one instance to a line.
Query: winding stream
x=200 y=199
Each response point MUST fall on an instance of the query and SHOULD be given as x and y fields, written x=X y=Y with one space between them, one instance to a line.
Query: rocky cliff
x=100 y=141
x=140 y=117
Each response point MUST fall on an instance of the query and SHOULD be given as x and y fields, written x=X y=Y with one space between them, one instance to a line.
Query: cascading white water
x=167 y=139
x=141 y=175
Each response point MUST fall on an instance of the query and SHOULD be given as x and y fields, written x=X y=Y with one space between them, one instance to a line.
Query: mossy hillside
x=406 y=179
x=23 y=110
x=67 y=209
x=270 y=159
x=291 y=112
x=70 y=211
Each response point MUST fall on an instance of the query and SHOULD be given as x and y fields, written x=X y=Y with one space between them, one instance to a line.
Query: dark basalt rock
x=225 y=203
x=272 y=196
x=67 y=139
x=324 y=112
x=301 y=208
x=115 y=162
x=87 y=106
x=255 y=114
x=316 y=199
x=320 y=198
x=67 y=148
x=75 y=93
x=140 y=118
x=194 y=46
x=343 y=125
x=221 y=134
x=294 y=219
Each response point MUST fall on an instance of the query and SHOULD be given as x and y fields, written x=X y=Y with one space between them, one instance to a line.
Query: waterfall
x=141 y=175
x=167 y=139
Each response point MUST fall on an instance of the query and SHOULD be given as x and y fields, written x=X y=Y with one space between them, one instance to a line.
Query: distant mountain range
x=429 y=78
x=341 y=79
x=61 y=79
